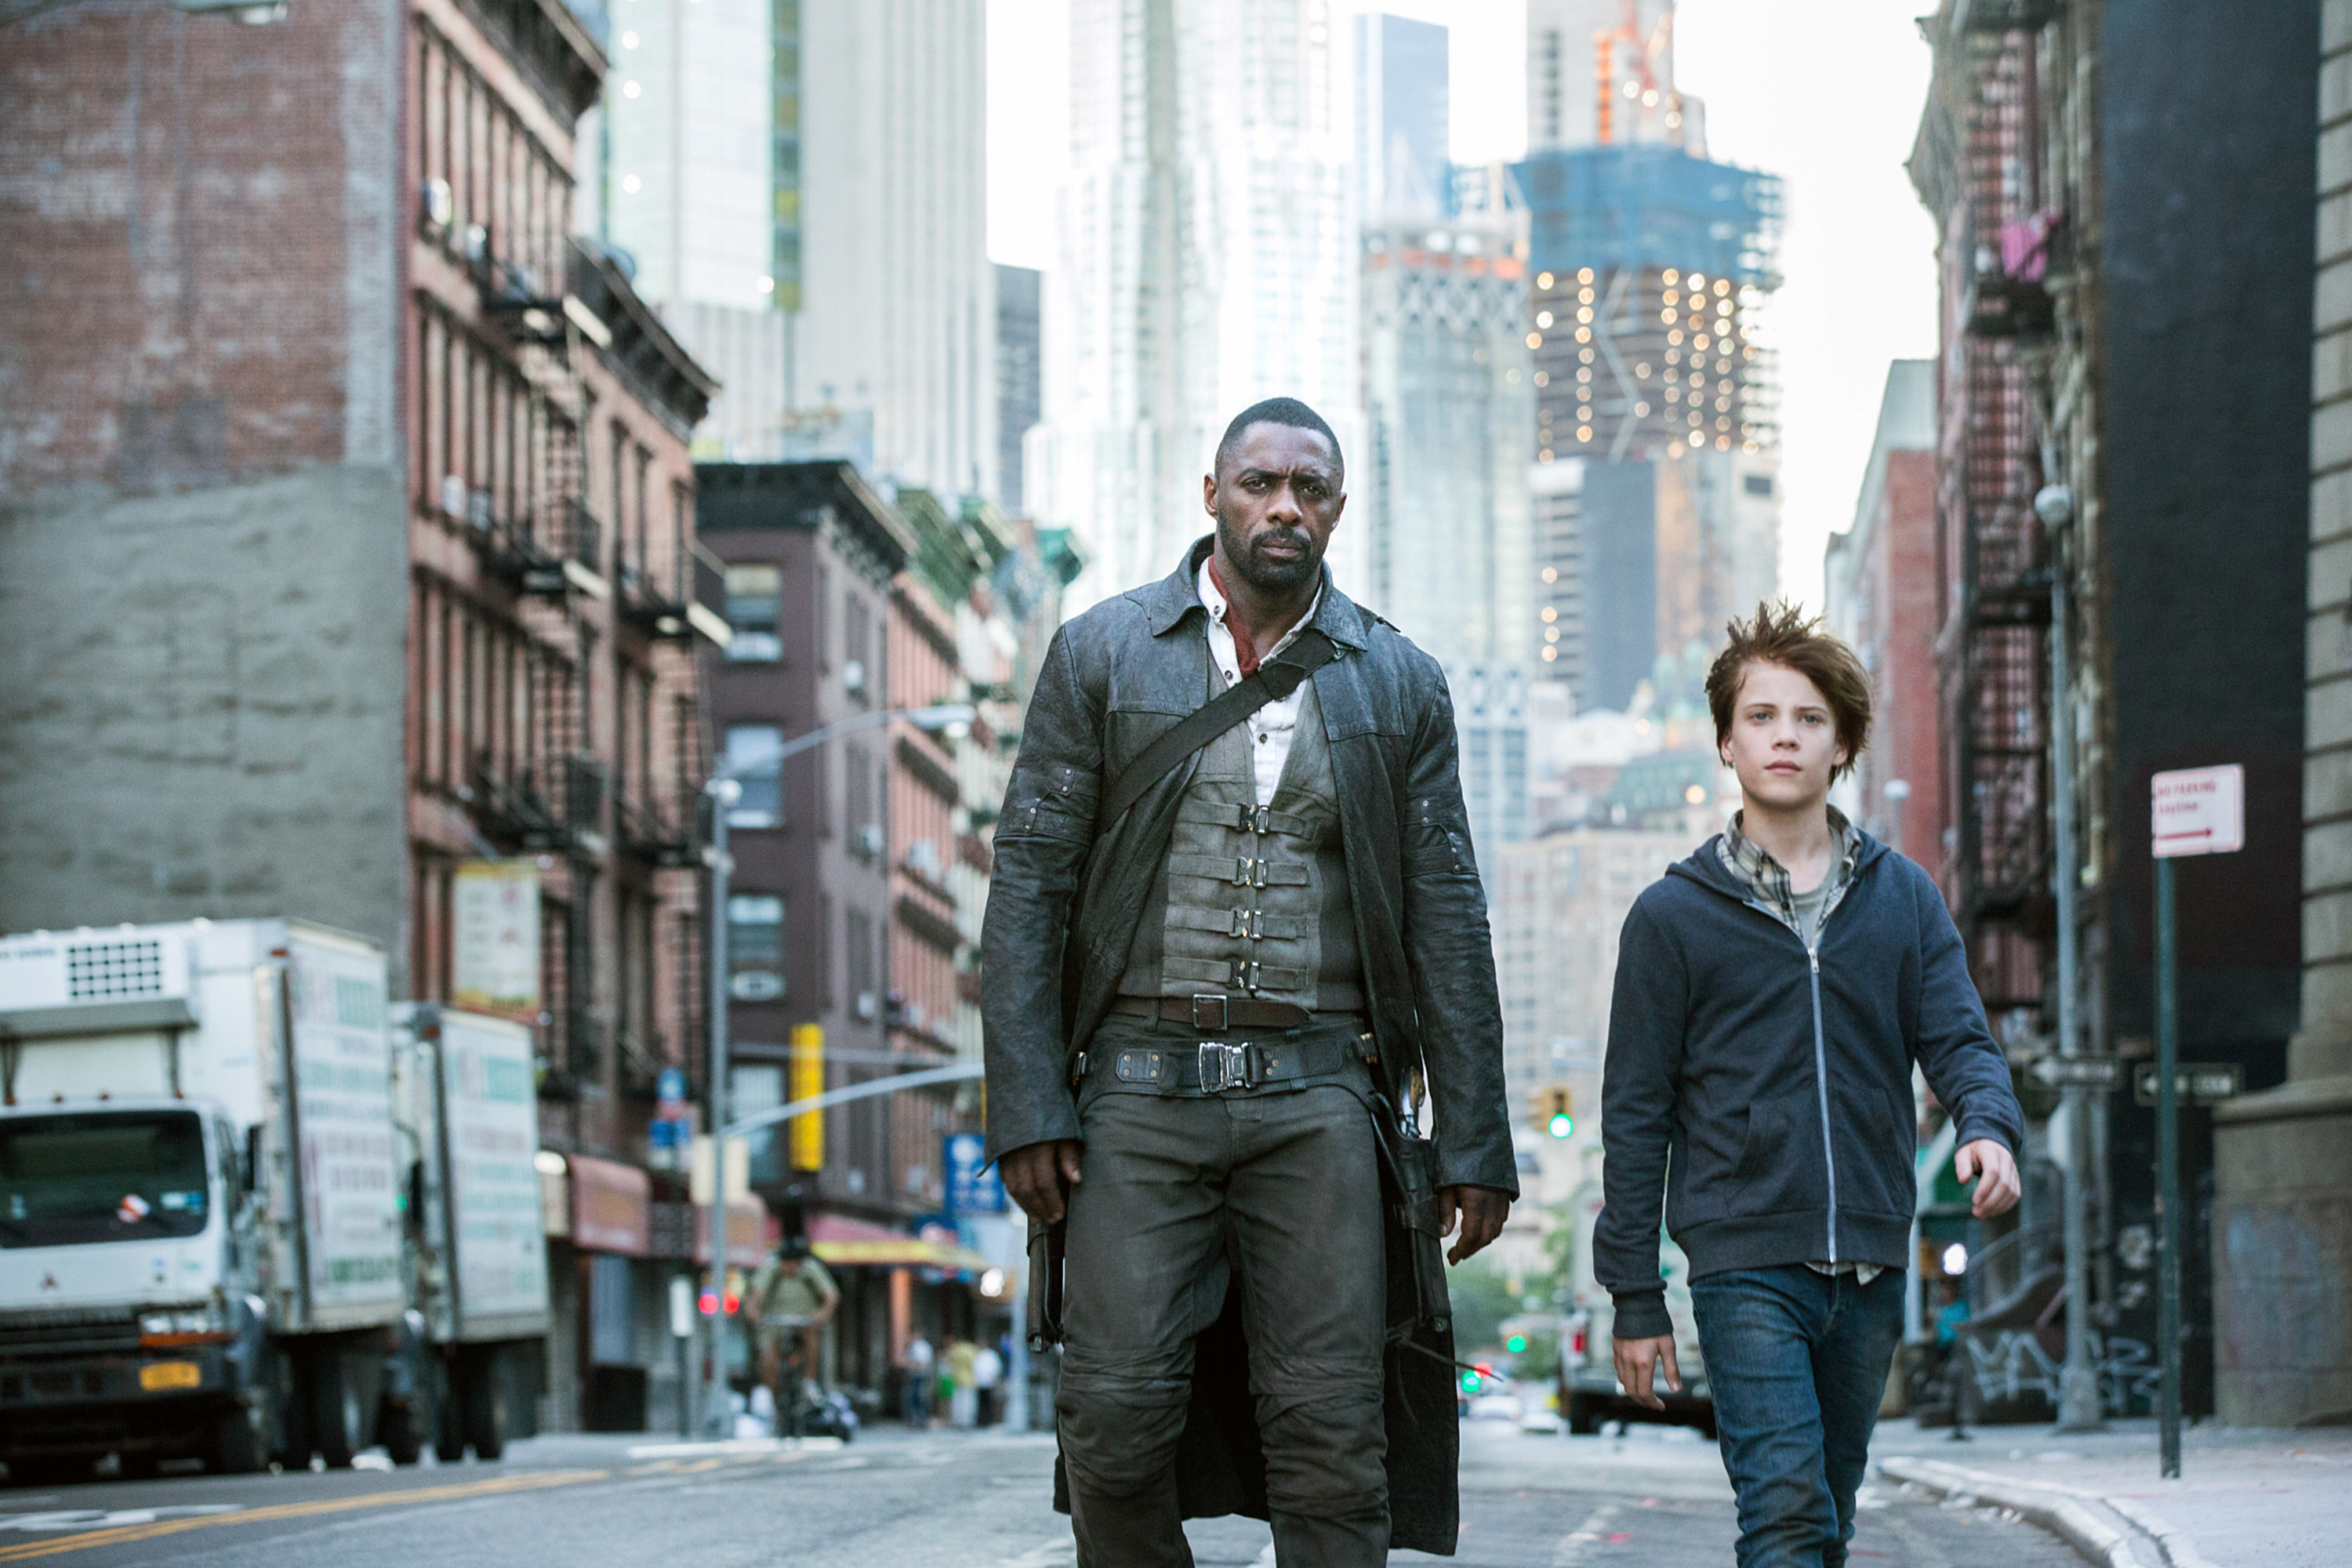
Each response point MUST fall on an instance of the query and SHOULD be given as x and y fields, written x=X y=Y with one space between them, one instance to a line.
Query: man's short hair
x=1782 y=634
x=1277 y=411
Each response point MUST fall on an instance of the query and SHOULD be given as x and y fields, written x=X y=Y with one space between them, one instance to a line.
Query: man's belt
x=1212 y=1067
x=1212 y=1014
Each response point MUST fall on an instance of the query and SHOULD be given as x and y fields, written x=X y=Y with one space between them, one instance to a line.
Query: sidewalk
x=2246 y=1498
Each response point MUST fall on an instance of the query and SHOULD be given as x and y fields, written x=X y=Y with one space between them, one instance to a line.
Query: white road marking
x=1053 y=1555
x=1573 y=1546
x=105 y=1519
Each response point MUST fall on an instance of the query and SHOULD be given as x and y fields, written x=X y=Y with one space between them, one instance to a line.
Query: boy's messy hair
x=1782 y=634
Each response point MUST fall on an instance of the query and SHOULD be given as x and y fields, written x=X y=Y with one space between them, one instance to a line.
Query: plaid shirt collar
x=1766 y=878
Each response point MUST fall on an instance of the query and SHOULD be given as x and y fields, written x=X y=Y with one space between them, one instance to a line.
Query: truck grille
x=102 y=971
x=94 y=1331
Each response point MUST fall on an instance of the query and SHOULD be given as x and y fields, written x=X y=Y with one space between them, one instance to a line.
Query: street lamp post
x=725 y=789
x=2078 y=1384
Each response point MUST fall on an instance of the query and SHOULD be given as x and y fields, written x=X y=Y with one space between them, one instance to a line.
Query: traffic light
x=1516 y=1343
x=1555 y=1110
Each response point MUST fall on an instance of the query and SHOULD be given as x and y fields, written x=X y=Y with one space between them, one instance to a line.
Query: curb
x=2060 y=1511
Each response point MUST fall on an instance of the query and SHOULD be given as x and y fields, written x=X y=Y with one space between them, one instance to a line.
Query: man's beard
x=1265 y=575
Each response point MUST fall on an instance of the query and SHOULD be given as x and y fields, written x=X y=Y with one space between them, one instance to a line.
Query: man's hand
x=1635 y=1358
x=1038 y=1174
x=1480 y=1210
x=1989 y=1158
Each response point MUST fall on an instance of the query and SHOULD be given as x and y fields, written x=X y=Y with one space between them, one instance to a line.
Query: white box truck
x=200 y=1228
x=467 y=1104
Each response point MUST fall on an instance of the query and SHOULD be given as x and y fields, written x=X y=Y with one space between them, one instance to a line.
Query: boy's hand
x=1989 y=1158
x=1635 y=1358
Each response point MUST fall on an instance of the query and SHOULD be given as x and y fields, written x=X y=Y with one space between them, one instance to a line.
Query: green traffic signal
x=1562 y=1124
x=1516 y=1343
x=1469 y=1383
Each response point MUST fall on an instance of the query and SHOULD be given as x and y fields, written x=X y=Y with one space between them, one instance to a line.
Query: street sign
x=970 y=1189
x=669 y=1089
x=2197 y=1083
x=2198 y=811
x=2091 y=1072
x=2192 y=811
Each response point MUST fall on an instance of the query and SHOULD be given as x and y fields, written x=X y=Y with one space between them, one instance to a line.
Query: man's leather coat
x=1068 y=893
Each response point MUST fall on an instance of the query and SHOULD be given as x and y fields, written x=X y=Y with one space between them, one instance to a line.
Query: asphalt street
x=895 y=1499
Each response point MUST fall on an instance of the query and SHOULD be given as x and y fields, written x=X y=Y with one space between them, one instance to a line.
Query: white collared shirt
x=1273 y=726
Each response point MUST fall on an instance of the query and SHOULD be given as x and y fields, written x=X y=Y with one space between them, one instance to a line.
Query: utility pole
x=724 y=793
x=2078 y=1384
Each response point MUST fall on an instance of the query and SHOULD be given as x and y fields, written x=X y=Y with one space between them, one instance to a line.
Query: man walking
x=1773 y=991
x=1216 y=948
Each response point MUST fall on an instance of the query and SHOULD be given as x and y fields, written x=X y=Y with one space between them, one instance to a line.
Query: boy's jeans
x=1797 y=1362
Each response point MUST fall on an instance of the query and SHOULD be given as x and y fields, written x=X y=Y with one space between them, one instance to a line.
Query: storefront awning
x=839 y=1241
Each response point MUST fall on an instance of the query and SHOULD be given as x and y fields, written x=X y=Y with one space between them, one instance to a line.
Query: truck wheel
x=486 y=1408
x=448 y=1411
x=237 y=1442
x=338 y=1424
x=1583 y=1417
x=395 y=1428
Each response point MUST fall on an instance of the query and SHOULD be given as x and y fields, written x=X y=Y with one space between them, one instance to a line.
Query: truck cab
x=128 y=1322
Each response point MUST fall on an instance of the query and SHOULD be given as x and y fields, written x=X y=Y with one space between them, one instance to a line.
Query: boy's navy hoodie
x=1765 y=1090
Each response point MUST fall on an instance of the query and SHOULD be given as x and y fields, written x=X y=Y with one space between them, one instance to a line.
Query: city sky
x=1831 y=105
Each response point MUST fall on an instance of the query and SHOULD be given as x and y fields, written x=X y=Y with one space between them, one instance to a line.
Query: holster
x=1045 y=1243
x=1409 y=1173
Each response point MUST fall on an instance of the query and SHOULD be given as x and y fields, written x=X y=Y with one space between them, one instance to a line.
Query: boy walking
x=1773 y=991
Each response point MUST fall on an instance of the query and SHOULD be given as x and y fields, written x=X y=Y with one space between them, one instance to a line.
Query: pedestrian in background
x=1236 y=926
x=987 y=1373
x=963 y=1404
x=1773 y=991
x=915 y=1363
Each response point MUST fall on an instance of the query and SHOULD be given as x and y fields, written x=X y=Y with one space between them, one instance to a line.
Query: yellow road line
x=125 y=1534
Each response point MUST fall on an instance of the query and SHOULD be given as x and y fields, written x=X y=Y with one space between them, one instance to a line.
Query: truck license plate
x=158 y=1374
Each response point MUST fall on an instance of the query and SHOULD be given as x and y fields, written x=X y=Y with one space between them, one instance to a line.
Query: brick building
x=1880 y=581
x=287 y=362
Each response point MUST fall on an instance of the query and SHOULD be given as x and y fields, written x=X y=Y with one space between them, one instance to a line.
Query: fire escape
x=1993 y=655
x=547 y=796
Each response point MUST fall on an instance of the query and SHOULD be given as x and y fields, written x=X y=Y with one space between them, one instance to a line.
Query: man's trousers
x=1291 y=1179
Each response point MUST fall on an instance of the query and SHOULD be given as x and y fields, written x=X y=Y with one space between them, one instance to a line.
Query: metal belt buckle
x=1226 y=1067
x=1223 y=1013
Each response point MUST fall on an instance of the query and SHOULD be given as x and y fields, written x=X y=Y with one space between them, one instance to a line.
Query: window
x=1758 y=484
x=755 y=947
x=862 y=998
x=751 y=758
x=755 y=609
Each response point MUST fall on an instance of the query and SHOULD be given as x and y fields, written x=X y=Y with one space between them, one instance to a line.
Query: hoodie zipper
x=1821 y=1082
x=1821 y=1042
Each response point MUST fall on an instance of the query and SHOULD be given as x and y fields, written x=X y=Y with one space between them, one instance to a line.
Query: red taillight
x=709 y=1304
x=733 y=1301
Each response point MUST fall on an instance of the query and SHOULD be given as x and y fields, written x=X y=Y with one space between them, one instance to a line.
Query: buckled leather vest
x=1252 y=901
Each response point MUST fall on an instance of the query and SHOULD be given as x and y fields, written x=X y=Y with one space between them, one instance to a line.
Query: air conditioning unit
x=478 y=511
x=866 y=1006
x=453 y=496
x=869 y=839
x=755 y=985
x=439 y=203
x=853 y=675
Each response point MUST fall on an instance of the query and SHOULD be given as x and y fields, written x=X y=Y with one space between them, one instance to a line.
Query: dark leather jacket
x=1068 y=892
